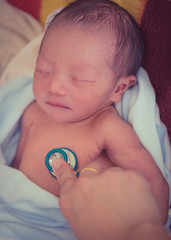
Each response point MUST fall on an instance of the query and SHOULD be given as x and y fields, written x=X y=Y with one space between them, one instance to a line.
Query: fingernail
x=56 y=163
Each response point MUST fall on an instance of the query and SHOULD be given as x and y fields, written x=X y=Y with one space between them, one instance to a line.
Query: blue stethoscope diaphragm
x=65 y=153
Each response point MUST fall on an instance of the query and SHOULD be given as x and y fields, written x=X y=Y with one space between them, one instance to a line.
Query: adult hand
x=114 y=204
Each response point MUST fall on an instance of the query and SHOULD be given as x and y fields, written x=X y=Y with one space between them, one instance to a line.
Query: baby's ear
x=122 y=85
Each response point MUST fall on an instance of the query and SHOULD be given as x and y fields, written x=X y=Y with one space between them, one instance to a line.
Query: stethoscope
x=66 y=154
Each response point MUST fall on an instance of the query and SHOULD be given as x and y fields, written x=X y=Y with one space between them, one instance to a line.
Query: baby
x=88 y=58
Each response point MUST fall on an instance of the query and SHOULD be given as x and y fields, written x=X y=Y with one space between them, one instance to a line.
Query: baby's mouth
x=57 y=104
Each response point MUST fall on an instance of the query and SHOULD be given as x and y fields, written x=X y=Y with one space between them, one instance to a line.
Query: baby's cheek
x=38 y=87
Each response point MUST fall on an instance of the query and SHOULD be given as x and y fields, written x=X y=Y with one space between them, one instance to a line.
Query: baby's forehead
x=69 y=31
x=88 y=35
x=102 y=34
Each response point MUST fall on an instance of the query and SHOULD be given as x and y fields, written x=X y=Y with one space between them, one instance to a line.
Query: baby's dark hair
x=116 y=24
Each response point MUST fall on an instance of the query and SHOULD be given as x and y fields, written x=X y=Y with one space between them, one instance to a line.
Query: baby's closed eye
x=84 y=80
x=43 y=72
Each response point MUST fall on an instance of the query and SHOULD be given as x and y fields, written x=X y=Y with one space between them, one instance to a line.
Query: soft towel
x=27 y=211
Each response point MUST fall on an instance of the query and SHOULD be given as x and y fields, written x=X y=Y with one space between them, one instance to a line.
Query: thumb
x=64 y=174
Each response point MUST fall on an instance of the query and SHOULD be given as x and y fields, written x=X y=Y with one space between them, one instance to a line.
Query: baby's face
x=72 y=79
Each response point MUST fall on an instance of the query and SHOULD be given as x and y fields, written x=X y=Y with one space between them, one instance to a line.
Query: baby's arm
x=125 y=151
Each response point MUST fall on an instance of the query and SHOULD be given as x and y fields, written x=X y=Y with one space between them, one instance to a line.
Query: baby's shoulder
x=109 y=116
x=108 y=120
x=113 y=129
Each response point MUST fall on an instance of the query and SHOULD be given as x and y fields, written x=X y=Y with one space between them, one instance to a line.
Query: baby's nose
x=58 y=85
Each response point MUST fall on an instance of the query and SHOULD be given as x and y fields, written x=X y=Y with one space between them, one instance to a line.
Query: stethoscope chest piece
x=65 y=153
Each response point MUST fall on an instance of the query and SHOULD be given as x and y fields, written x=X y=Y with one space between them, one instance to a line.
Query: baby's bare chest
x=44 y=137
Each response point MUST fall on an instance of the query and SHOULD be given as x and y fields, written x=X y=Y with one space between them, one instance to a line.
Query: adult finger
x=64 y=174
